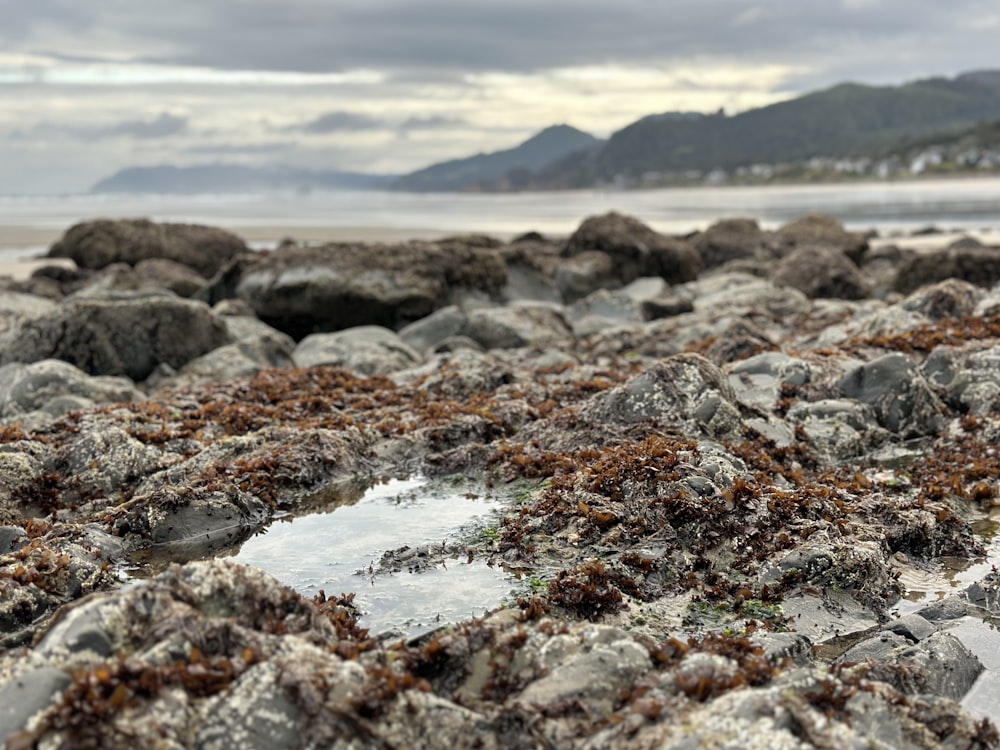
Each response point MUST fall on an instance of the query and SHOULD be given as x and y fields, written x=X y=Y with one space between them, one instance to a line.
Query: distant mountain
x=231 y=178
x=845 y=120
x=500 y=169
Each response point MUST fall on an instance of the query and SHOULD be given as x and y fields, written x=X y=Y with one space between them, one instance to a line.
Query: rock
x=243 y=358
x=944 y=610
x=603 y=309
x=817 y=271
x=665 y=306
x=946 y=299
x=973 y=264
x=427 y=333
x=369 y=350
x=11 y=537
x=184 y=508
x=685 y=387
x=635 y=249
x=736 y=293
x=728 y=240
x=643 y=299
x=121 y=335
x=970 y=381
x=585 y=273
x=525 y=283
x=25 y=696
x=938 y=664
x=912 y=627
x=820 y=230
x=594 y=675
x=149 y=274
x=180 y=279
x=96 y=244
x=902 y=400
x=317 y=289
x=836 y=429
x=862 y=569
x=760 y=381
x=16 y=307
x=44 y=386
x=516 y=326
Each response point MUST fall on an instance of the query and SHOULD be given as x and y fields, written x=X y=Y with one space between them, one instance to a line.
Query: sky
x=88 y=87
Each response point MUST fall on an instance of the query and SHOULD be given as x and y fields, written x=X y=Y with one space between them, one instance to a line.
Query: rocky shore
x=729 y=456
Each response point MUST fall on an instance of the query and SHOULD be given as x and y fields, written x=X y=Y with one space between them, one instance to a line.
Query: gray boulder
x=584 y=273
x=516 y=326
x=681 y=388
x=96 y=244
x=902 y=400
x=369 y=350
x=820 y=230
x=54 y=386
x=951 y=298
x=317 y=289
x=968 y=381
x=427 y=333
x=729 y=240
x=939 y=664
x=243 y=358
x=119 y=335
x=759 y=380
x=837 y=429
x=634 y=248
x=817 y=271
x=150 y=274
x=969 y=262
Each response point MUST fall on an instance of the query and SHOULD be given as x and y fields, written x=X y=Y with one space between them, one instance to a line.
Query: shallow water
x=981 y=636
x=339 y=552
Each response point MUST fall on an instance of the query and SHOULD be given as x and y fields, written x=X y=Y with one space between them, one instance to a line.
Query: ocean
x=887 y=207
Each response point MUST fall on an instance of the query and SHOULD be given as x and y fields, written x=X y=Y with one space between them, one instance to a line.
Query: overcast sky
x=90 y=86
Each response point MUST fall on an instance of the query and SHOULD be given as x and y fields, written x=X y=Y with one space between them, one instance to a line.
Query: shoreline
x=35 y=240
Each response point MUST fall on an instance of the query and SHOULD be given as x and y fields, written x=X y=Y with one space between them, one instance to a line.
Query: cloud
x=432 y=122
x=163 y=126
x=400 y=83
x=333 y=122
x=521 y=36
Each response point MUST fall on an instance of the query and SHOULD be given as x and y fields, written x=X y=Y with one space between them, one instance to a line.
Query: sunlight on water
x=339 y=552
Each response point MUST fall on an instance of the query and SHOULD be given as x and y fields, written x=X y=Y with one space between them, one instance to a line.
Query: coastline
x=34 y=241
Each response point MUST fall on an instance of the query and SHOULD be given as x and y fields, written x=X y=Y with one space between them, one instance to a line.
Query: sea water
x=885 y=206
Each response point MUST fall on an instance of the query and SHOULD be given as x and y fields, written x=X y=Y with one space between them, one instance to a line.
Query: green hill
x=845 y=120
x=506 y=167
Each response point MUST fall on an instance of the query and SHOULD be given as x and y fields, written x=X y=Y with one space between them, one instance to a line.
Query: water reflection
x=340 y=552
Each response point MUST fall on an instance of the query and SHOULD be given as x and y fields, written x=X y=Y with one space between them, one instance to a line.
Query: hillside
x=500 y=169
x=230 y=178
x=845 y=120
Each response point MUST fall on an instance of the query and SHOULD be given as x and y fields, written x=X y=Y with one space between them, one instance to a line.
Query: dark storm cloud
x=518 y=35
